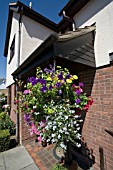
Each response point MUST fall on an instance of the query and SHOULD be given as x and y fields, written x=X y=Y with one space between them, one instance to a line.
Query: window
x=12 y=49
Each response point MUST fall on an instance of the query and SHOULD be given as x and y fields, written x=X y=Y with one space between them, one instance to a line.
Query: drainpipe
x=69 y=20
x=18 y=64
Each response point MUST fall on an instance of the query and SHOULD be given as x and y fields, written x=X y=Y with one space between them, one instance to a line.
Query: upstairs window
x=12 y=49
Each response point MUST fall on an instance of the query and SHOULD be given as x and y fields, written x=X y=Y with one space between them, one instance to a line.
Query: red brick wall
x=100 y=116
x=24 y=131
x=11 y=93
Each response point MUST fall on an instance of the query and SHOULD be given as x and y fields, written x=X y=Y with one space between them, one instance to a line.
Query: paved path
x=17 y=159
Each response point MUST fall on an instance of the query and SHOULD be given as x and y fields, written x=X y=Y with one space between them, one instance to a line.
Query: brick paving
x=42 y=156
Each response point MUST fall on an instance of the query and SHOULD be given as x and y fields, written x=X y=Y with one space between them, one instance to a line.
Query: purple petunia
x=43 y=89
x=27 y=119
x=32 y=80
x=68 y=76
x=60 y=76
x=81 y=84
x=77 y=101
x=50 y=66
x=77 y=92
x=50 y=87
x=42 y=81
x=58 y=84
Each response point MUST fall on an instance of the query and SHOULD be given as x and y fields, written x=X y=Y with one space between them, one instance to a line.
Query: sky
x=48 y=8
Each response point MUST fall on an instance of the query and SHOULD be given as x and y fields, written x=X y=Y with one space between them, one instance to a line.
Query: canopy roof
x=76 y=46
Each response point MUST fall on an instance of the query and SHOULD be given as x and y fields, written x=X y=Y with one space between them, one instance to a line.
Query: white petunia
x=60 y=123
x=59 y=136
x=34 y=107
x=67 y=133
x=49 y=123
x=53 y=140
x=78 y=136
x=36 y=113
x=54 y=127
x=66 y=117
x=60 y=113
x=64 y=128
x=60 y=130
x=78 y=145
x=78 y=128
x=76 y=116
x=75 y=122
x=48 y=140
x=80 y=120
x=53 y=135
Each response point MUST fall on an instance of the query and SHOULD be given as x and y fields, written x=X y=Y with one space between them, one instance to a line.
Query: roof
x=25 y=10
x=64 y=46
x=73 y=7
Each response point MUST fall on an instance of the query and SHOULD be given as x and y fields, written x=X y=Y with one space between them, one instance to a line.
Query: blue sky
x=48 y=8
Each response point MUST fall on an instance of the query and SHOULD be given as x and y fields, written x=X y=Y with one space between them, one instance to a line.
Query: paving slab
x=17 y=159
x=2 y=166
x=30 y=167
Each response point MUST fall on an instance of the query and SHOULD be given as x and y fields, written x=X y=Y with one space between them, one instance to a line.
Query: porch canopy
x=71 y=49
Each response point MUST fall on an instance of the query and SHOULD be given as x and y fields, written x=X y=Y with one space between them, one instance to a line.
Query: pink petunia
x=26 y=92
x=39 y=139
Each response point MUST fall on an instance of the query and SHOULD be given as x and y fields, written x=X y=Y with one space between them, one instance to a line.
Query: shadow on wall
x=87 y=77
x=87 y=14
x=35 y=29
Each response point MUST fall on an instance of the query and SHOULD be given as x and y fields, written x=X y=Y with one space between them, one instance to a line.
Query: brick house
x=81 y=41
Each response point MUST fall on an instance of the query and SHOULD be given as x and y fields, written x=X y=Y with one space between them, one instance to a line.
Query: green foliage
x=6 y=123
x=58 y=167
x=52 y=103
x=2 y=100
x=4 y=140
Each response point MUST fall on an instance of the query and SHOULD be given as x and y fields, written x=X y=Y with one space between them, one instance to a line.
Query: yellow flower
x=49 y=79
x=55 y=78
x=71 y=78
x=69 y=81
x=75 y=77
x=50 y=111
x=61 y=81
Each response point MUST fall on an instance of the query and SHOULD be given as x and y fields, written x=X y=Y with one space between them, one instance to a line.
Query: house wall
x=99 y=84
x=13 y=64
x=101 y=13
x=33 y=34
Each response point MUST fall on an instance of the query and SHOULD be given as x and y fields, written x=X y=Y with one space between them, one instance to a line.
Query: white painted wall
x=33 y=34
x=101 y=13
x=13 y=64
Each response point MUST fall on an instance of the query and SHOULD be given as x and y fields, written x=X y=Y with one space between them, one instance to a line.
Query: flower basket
x=50 y=103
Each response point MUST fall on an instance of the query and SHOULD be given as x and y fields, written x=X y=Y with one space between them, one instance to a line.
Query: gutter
x=45 y=45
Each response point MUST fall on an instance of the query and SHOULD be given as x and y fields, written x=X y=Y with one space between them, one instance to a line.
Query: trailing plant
x=52 y=103
x=58 y=167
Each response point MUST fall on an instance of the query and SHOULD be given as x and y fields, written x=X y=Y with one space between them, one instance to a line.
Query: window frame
x=12 y=49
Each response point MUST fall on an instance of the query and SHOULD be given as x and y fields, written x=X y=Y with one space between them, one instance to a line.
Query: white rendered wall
x=101 y=13
x=12 y=66
x=33 y=34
